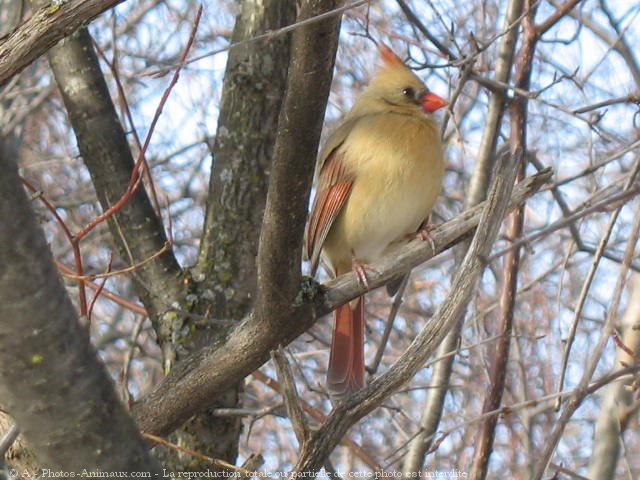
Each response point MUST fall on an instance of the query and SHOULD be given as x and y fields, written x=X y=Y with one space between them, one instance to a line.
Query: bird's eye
x=409 y=92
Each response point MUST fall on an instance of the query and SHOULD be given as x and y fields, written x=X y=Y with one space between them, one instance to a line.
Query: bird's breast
x=398 y=168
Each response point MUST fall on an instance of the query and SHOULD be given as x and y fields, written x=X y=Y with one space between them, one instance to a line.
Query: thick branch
x=52 y=382
x=252 y=97
x=313 y=51
x=136 y=228
x=43 y=30
x=193 y=382
x=254 y=85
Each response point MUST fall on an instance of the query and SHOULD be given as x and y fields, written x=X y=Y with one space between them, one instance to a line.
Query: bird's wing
x=333 y=185
x=334 y=141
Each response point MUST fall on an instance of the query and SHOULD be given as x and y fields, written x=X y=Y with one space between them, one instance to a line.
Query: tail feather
x=346 y=361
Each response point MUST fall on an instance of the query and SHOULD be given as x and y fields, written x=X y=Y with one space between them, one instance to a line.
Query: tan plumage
x=377 y=179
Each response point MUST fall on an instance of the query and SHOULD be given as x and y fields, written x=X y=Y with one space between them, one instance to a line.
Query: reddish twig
x=136 y=177
x=134 y=307
x=127 y=111
x=213 y=461
x=134 y=183
x=556 y=16
x=621 y=345
x=75 y=247
x=122 y=271
x=97 y=293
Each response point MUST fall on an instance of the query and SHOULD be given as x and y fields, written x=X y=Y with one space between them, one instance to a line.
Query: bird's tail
x=346 y=361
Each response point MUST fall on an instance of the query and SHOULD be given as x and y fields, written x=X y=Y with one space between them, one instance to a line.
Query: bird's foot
x=360 y=269
x=424 y=234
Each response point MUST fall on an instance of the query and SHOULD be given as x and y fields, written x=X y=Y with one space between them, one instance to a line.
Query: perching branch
x=194 y=381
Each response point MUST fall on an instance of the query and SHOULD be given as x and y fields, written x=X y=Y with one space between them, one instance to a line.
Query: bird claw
x=424 y=234
x=360 y=269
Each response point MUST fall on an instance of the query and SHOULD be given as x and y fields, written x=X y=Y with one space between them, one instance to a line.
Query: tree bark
x=296 y=143
x=225 y=275
x=43 y=30
x=51 y=380
x=136 y=229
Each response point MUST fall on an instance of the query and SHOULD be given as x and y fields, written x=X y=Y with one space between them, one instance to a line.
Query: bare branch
x=556 y=16
x=320 y=417
x=43 y=30
x=586 y=286
x=596 y=352
x=291 y=398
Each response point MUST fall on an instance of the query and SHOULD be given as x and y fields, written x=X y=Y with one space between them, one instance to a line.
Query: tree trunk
x=225 y=274
x=52 y=381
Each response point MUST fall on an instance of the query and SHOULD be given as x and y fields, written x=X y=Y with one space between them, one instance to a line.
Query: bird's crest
x=388 y=57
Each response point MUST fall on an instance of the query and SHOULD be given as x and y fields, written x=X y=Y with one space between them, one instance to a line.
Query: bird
x=376 y=179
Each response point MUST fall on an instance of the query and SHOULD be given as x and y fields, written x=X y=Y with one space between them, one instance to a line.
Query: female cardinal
x=377 y=178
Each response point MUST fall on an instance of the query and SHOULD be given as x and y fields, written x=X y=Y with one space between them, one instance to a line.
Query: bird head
x=395 y=87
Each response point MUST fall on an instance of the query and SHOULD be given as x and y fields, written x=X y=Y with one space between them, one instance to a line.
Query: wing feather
x=333 y=187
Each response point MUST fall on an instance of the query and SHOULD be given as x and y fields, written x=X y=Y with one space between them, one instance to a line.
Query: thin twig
x=122 y=271
x=136 y=177
x=291 y=397
x=586 y=286
x=549 y=399
x=594 y=354
x=67 y=271
x=388 y=327
x=271 y=34
x=216 y=462
x=619 y=199
x=317 y=415
x=128 y=358
x=618 y=341
x=97 y=293
x=631 y=98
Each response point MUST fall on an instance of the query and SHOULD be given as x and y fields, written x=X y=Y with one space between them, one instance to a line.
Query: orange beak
x=432 y=102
